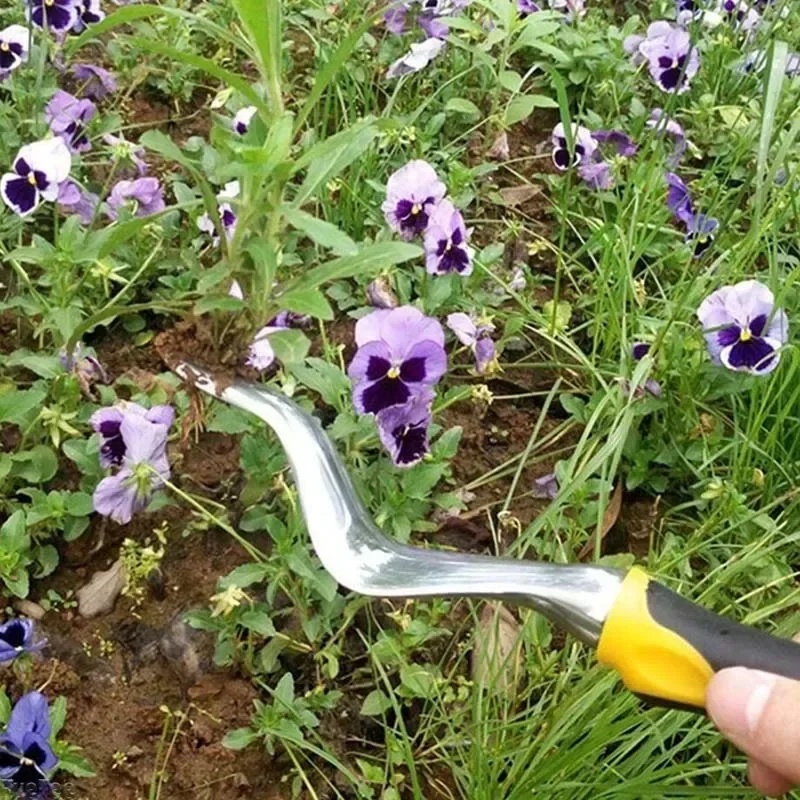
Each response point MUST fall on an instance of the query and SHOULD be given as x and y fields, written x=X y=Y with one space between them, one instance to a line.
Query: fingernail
x=737 y=699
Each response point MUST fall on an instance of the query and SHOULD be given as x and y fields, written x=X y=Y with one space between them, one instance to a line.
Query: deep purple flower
x=126 y=152
x=664 y=125
x=97 y=82
x=477 y=336
x=38 y=170
x=526 y=7
x=14 y=48
x=242 y=119
x=68 y=117
x=26 y=758
x=89 y=13
x=147 y=193
x=72 y=199
x=594 y=168
x=740 y=13
x=144 y=469
x=400 y=352
x=16 y=638
x=54 y=15
x=700 y=228
x=396 y=16
x=640 y=350
x=546 y=487
x=227 y=215
x=700 y=233
x=651 y=386
x=743 y=329
x=85 y=366
x=672 y=60
x=420 y=55
x=411 y=194
x=583 y=142
x=108 y=423
x=679 y=201
x=403 y=429
x=446 y=242
x=380 y=293
x=290 y=319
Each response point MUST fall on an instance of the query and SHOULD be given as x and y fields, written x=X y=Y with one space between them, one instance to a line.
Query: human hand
x=760 y=713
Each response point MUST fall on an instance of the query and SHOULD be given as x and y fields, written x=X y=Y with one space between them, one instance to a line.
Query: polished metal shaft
x=362 y=558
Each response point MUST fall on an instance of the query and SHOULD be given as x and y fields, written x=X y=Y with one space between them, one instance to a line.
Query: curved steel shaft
x=363 y=559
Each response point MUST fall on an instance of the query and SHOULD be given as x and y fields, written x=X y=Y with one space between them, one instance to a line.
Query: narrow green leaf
x=321 y=232
x=307 y=301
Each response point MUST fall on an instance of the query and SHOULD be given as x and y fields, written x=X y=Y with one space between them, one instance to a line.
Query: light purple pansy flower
x=743 y=329
x=84 y=365
x=671 y=59
x=16 y=638
x=664 y=125
x=144 y=469
x=14 y=48
x=740 y=13
x=380 y=293
x=446 y=242
x=68 y=117
x=411 y=194
x=108 y=423
x=72 y=199
x=400 y=352
x=396 y=16
x=27 y=758
x=146 y=193
x=125 y=151
x=594 y=169
x=403 y=429
x=260 y=354
x=572 y=9
x=546 y=487
x=57 y=16
x=227 y=215
x=700 y=228
x=526 y=7
x=37 y=172
x=584 y=146
x=477 y=336
x=89 y=13
x=97 y=82
x=420 y=55
x=242 y=119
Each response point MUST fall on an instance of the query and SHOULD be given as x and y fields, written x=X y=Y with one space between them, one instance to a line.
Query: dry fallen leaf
x=609 y=518
x=517 y=195
x=496 y=660
x=100 y=594
x=499 y=150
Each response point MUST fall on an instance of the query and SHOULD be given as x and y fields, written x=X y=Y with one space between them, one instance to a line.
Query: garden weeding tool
x=665 y=647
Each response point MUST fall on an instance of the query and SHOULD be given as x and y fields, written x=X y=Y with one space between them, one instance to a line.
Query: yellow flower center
x=448 y=247
x=416 y=208
x=4 y=46
x=49 y=2
x=745 y=335
x=32 y=179
x=394 y=372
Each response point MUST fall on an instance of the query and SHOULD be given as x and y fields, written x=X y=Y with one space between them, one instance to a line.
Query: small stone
x=100 y=594
x=29 y=609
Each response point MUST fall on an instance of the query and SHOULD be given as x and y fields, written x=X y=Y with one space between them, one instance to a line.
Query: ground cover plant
x=532 y=265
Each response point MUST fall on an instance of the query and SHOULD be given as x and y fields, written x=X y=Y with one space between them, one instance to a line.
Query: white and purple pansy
x=57 y=16
x=446 y=242
x=743 y=329
x=584 y=146
x=700 y=228
x=242 y=119
x=89 y=13
x=672 y=60
x=418 y=57
x=400 y=352
x=35 y=175
x=411 y=194
x=227 y=215
x=14 y=48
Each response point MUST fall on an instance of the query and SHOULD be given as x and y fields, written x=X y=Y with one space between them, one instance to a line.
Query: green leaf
x=18 y=583
x=370 y=259
x=536 y=26
x=14 y=534
x=321 y=232
x=290 y=345
x=307 y=301
x=284 y=691
x=5 y=706
x=47 y=558
x=36 y=465
x=375 y=704
x=258 y=622
x=461 y=105
x=15 y=406
x=78 y=504
x=522 y=106
x=229 y=420
x=262 y=21
x=72 y=763
x=417 y=680
x=42 y=365
x=244 y=576
x=511 y=80
x=58 y=716
x=324 y=378
x=221 y=302
x=239 y=739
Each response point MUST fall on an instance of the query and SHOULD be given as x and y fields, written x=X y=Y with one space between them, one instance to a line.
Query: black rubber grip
x=721 y=641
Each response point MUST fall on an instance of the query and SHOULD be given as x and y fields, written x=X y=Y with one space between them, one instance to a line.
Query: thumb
x=760 y=713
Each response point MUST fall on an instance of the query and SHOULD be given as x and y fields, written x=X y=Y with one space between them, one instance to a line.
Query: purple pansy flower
x=420 y=55
x=583 y=141
x=108 y=423
x=526 y=7
x=546 y=487
x=97 y=82
x=700 y=228
x=14 y=48
x=261 y=355
x=89 y=13
x=672 y=60
x=651 y=386
x=26 y=758
x=84 y=365
x=446 y=247
x=594 y=169
x=743 y=329
x=68 y=117
x=395 y=18
x=403 y=429
x=741 y=13
x=16 y=638
x=572 y=9
x=227 y=215
x=477 y=336
x=411 y=194
x=242 y=119
x=400 y=352
x=144 y=468
x=664 y=125
x=640 y=350
x=38 y=170
x=380 y=293
x=147 y=193
x=54 y=15
x=72 y=199
x=125 y=151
